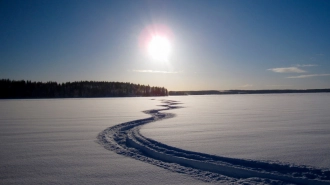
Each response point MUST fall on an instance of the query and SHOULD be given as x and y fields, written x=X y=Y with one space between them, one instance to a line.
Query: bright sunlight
x=159 y=48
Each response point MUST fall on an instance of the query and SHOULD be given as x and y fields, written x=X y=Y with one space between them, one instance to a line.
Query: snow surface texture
x=286 y=128
x=125 y=139
x=53 y=141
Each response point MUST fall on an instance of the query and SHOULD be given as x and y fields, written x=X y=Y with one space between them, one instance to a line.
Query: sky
x=215 y=44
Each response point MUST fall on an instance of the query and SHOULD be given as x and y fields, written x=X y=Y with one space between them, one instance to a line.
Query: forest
x=274 y=91
x=79 y=89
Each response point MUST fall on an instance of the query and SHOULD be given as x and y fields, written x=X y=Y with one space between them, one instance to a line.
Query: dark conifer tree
x=28 y=89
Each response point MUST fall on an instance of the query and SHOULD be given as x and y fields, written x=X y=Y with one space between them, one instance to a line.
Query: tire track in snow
x=125 y=139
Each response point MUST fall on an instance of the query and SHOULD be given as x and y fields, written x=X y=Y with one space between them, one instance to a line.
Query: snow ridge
x=125 y=139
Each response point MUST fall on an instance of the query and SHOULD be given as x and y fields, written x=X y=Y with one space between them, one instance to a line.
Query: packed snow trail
x=125 y=139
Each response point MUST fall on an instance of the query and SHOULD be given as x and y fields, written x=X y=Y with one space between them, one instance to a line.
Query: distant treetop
x=82 y=89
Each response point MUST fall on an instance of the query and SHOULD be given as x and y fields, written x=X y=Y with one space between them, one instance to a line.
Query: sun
x=159 y=48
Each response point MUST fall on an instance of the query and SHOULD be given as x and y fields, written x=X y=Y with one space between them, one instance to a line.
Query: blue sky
x=215 y=44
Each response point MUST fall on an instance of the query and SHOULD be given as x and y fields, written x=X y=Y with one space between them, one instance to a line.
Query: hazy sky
x=215 y=44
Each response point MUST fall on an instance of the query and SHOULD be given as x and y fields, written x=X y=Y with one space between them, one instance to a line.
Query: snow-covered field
x=54 y=142
x=292 y=128
x=222 y=139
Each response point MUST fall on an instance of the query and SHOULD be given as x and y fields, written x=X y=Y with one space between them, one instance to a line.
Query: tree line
x=81 y=89
x=209 y=92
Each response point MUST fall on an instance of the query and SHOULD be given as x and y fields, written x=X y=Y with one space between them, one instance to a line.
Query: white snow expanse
x=292 y=128
x=54 y=142
x=231 y=139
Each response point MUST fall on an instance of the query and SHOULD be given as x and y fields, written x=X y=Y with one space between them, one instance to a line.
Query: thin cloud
x=306 y=65
x=278 y=85
x=308 y=76
x=247 y=85
x=153 y=71
x=287 y=70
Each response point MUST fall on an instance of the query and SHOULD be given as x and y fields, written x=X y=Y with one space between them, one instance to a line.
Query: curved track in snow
x=125 y=139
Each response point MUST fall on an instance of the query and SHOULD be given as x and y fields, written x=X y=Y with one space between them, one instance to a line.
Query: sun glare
x=159 y=48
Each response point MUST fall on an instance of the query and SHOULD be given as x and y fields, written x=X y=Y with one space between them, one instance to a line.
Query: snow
x=285 y=129
x=292 y=128
x=54 y=142
x=126 y=139
x=231 y=139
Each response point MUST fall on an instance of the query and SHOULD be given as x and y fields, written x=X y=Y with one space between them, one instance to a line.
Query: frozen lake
x=55 y=141
x=293 y=128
